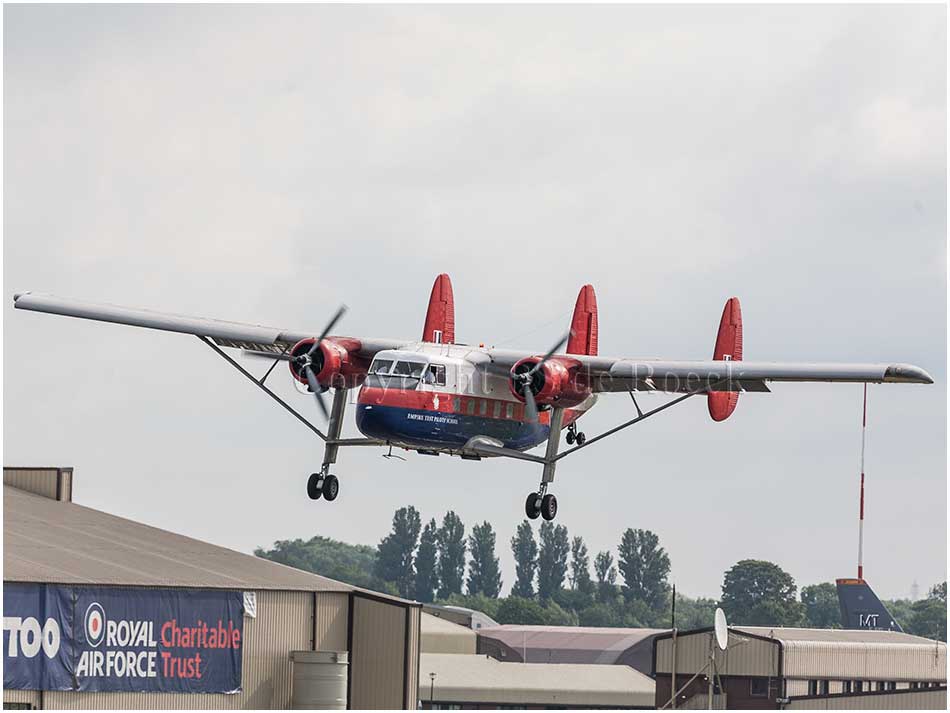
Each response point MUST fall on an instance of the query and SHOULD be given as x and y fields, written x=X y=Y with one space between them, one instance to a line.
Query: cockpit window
x=399 y=374
x=381 y=366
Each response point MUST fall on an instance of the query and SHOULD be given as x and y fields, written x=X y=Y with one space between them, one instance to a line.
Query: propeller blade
x=326 y=330
x=561 y=342
x=316 y=389
x=270 y=356
x=530 y=407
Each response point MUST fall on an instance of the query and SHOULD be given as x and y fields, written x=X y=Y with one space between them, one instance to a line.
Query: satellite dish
x=722 y=630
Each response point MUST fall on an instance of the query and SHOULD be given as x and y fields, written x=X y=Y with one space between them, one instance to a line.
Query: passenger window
x=496 y=413
x=483 y=407
x=470 y=408
x=510 y=411
x=456 y=404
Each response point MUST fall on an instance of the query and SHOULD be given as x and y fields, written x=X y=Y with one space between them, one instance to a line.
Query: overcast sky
x=265 y=164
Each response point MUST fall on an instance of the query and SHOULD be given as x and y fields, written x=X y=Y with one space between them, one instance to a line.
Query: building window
x=914 y=685
x=823 y=688
x=813 y=688
x=891 y=686
x=846 y=686
x=759 y=687
x=880 y=685
x=858 y=687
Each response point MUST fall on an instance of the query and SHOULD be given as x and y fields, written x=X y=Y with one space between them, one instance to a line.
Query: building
x=472 y=618
x=53 y=548
x=452 y=675
x=801 y=668
x=480 y=682
x=570 y=644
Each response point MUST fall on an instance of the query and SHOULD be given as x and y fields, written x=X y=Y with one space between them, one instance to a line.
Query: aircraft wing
x=225 y=334
x=607 y=374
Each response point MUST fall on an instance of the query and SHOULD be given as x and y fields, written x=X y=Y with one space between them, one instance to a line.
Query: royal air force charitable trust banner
x=63 y=638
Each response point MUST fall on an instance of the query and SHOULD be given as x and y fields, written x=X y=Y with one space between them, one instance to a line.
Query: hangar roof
x=462 y=678
x=568 y=644
x=46 y=540
x=440 y=636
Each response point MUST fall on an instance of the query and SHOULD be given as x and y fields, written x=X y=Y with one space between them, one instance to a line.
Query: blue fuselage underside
x=438 y=430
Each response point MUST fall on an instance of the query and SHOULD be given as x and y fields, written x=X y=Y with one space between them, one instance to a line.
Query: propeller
x=304 y=361
x=525 y=378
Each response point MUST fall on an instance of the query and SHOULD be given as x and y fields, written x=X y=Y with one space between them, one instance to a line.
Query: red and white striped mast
x=864 y=430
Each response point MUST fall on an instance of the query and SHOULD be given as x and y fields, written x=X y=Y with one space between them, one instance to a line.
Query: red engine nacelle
x=559 y=382
x=336 y=363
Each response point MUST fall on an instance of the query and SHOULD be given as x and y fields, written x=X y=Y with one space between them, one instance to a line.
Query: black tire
x=531 y=508
x=581 y=438
x=569 y=438
x=331 y=487
x=549 y=507
x=313 y=486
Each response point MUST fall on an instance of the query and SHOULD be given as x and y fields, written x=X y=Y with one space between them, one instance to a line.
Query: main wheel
x=531 y=508
x=313 y=486
x=548 y=506
x=569 y=438
x=581 y=438
x=331 y=487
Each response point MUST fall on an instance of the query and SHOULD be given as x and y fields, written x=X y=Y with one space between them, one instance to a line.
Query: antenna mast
x=864 y=430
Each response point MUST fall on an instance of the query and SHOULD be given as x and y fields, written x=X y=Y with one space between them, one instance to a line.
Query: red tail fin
x=440 y=317
x=584 y=324
x=728 y=346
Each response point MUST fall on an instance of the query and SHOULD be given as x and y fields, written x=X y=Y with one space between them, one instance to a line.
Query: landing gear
x=323 y=485
x=574 y=435
x=541 y=503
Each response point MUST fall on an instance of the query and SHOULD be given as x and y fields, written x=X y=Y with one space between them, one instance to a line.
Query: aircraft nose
x=907 y=373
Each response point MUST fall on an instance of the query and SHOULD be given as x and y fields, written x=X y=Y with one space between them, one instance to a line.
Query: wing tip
x=906 y=374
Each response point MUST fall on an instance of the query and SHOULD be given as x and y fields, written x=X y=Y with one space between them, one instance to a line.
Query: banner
x=122 y=639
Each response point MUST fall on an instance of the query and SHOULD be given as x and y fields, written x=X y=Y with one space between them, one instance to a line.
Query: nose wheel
x=323 y=485
x=573 y=435
x=541 y=503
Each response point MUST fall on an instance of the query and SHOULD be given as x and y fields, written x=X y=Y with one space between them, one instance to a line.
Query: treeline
x=558 y=582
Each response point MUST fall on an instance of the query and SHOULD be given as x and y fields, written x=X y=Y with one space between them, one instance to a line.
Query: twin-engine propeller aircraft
x=436 y=396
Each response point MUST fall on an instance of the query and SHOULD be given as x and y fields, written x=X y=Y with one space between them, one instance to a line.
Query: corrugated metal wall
x=921 y=700
x=42 y=481
x=283 y=624
x=330 y=621
x=383 y=654
x=865 y=661
x=743 y=657
x=29 y=697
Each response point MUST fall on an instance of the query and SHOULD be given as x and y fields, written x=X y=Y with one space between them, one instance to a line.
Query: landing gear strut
x=324 y=484
x=542 y=502
x=574 y=435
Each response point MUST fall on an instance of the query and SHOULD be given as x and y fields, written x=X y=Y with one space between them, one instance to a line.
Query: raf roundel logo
x=95 y=624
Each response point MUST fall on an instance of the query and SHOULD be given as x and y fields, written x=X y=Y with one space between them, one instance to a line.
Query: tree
x=451 y=537
x=552 y=559
x=525 y=550
x=645 y=567
x=394 y=560
x=427 y=574
x=518 y=610
x=353 y=564
x=606 y=575
x=760 y=593
x=580 y=566
x=484 y=574
x=821 y=606
x=929 y=616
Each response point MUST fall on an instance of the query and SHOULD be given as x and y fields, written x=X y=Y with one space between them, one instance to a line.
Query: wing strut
x=260 y=385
